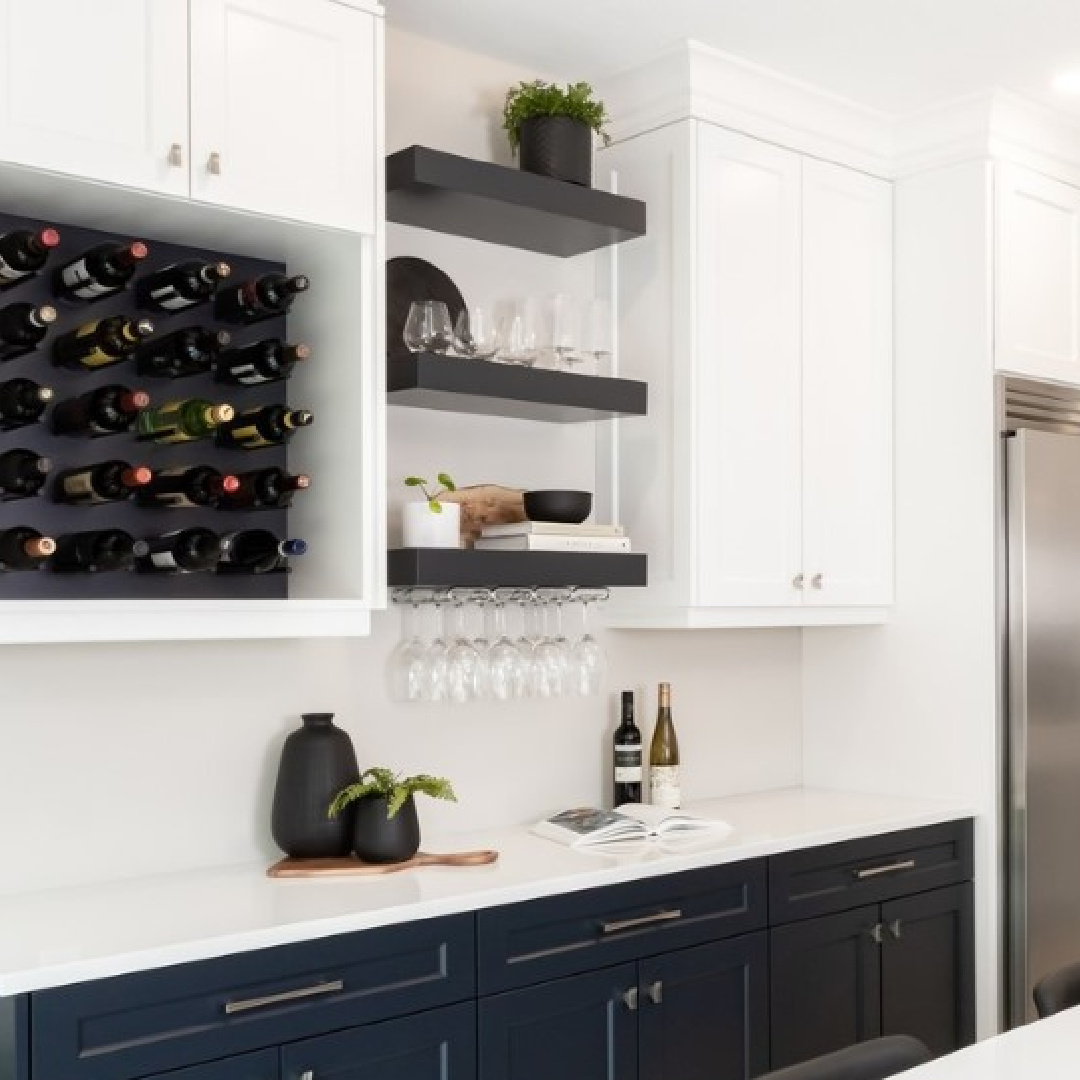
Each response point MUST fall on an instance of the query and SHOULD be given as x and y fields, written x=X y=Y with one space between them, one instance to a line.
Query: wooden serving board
x=350 y=865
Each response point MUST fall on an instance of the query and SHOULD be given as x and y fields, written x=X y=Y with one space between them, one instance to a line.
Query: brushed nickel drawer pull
x=656 y=992
x=245 y=1004
x=891 y=868
x=876 y=934
x=630 y=998
x=617 y=925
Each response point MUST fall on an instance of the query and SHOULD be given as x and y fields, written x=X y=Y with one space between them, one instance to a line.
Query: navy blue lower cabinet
x=435 y=1045
x=261 y=1065
x=580 y=1028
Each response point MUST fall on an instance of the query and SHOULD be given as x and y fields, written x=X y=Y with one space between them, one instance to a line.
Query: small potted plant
x=553 y=128
x=385 y=826
x=432 y=523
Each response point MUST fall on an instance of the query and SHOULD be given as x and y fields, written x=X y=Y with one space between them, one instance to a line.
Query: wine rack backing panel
x=53 y=518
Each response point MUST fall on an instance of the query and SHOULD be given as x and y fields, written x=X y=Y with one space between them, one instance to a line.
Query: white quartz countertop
x=72 y=935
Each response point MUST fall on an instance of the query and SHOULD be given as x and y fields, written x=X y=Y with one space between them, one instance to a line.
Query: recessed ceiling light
x=1068 y=82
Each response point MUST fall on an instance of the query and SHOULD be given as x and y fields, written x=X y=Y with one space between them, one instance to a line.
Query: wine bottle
x=103 y=482
x=191 y=351
x=181 y=285
x=100 y=271
x=23 y=548
x=262 y=425
x=256 y=551
x=187 y=486
x=183 y=551
x=259 y=298
x=22 y=473
x=102 y=342
x=627 y=755
x=108 y=410
x=22 y=402
x=264 y=489
x=23 y=328
x=24 y=253
x=265 y=361
x=96 y=551
x=182 y=421
x=664 y=755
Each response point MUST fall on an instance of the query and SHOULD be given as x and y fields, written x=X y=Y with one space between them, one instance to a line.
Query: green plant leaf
x=447 y=481
x=415 y=481
x=538 y=98
x=434 y=506
x=396 y=800
x=395 y=789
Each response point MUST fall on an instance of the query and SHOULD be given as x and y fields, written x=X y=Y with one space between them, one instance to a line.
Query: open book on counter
x=585 y=825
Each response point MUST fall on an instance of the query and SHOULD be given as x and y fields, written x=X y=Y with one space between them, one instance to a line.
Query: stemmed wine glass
x=407 y=662
x=436 y=657
x=509 y=670
x=549 y=662
x=463 y=659
x=587 y=660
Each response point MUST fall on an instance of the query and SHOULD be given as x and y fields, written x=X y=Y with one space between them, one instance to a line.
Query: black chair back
x=874 y=1059
x=1057 y=991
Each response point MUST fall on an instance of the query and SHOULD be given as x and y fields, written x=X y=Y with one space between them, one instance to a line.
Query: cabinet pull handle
x=877 y=934
x=797 y=581
x=656 y=992
x=817 y=581
x=629 y=999
x=245 y=1004
x=615 y=926
x=894 y=929
x=889 y=868
x=213 y=163
x=176 y=155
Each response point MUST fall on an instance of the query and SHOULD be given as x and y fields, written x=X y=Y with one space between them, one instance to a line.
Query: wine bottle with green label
x=182 y=421
x=98 y=344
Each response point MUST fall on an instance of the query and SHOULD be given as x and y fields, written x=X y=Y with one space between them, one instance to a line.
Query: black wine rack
x=66 y=451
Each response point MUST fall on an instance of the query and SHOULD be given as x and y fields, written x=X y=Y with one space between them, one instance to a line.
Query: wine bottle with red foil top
x=265 y=489
x=96 y=551
x=99 y=272
x=22 y=473
x=183 y=551
x=22 y=402
x=103 y=482
x=265 y=361
x=259 y=298
x=98 y=344
x=191 y=351
x=187 y=486
x=23 y=548
x=108 y=410
x=181 y=286
x=263 y=425
x=24 y=253
x=23 y=328
x=257 y=551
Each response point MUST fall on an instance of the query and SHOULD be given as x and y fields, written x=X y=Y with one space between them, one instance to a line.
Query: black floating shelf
x=452 y=384
x=483 y=201
x=445 y=568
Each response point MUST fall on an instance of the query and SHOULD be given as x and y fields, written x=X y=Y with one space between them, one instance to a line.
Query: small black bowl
x=569 y=507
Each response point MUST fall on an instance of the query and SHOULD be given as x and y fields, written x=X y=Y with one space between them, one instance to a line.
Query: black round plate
x=409 y=279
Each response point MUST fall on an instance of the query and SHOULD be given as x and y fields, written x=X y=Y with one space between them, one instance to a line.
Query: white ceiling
x=898 y=56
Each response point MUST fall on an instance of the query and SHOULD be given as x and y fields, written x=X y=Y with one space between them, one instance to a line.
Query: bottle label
x=96 y=358
x=80 y=486
x=664 y=786
x=247 y=375
x=249 y=436
x=169 y=298
x=77 y=278
x=163 y=560
x=628 y=768
x=9 y=273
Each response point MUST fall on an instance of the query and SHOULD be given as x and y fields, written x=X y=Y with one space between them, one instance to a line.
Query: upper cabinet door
x=118 y=113
x=747 y=372
x=1037 y=261
x=847 y=387
x=283 y=117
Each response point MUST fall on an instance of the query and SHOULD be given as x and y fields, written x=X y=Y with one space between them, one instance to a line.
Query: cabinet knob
x=877 y=933
x=213 y=163
x=894 y=929
x=797 y=581
x=817 y=581
x=656 y=992
x=629 y=1000
x=176 y=155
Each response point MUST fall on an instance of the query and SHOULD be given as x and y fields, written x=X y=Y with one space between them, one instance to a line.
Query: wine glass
x=427 y=329
x=407 y=662
x=519 y=333
x=509 y=671
x=436 y=658
x=463 y=659
x=565 y=327
x=587 y=660
x=549 y=664
x=475 y=334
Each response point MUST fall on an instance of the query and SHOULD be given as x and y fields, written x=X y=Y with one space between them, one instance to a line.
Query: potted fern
x=386 y=828
x=553 y=128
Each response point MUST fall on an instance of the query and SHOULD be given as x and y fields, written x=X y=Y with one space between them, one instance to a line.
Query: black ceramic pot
x=317 y=761
x=557 y=146
x=381 y=839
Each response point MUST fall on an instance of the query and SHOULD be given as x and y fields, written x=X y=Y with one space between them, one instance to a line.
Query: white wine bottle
x=664 y=755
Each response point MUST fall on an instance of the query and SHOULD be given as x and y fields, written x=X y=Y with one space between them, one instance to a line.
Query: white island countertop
x=73 y=935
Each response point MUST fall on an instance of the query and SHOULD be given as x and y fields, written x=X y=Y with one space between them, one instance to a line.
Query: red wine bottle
x=23 y=548
x=183 y=551
x=22 y=473
x=266 y=361
x=100 y=272
x=187 y=486
x=259 y=298
x=191 y=351
x=24 y=253
x=108 y=410
x=101 y=343
x=103 y=482
x=182 y=285
x=96 y=551
x=23 y=328
x=264 y=489
x=627 y=760
x=22 y=402
x=257 y=551
x=262 y=425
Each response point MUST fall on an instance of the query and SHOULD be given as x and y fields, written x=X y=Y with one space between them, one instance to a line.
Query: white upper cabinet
x=283 y=105
x=1037 y=260
x=97 y=89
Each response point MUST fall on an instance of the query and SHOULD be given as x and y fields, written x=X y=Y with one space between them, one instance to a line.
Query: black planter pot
x=379 y=839
x=317 y=761
x=557 y=146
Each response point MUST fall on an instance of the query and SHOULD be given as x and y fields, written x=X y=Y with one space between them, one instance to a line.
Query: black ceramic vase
x=381 y=839
x=317 y=761
x=557 y=146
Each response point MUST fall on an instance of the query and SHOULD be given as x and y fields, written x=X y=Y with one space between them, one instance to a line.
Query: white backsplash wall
x=119 y=760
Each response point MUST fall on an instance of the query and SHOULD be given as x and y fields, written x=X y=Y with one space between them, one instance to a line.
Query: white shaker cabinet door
x=97 y=89
x=1037 y=260
x=283 y=105
x=847 y=387
x=747 y=394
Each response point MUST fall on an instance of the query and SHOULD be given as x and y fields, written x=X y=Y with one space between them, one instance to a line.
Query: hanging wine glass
x=509 y=669
x=436 y=663
x=463 y=659
x=407 y=662
x=588 y=662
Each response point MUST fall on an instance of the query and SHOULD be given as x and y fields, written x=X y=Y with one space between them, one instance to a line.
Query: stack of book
x=552 y=536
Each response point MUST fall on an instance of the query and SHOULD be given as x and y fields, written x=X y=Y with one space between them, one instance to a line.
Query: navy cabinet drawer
x=835 y=877
x=530 y=942
x=135 y=1025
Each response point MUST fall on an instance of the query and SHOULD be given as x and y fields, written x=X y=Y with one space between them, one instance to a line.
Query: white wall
x=127 y=759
